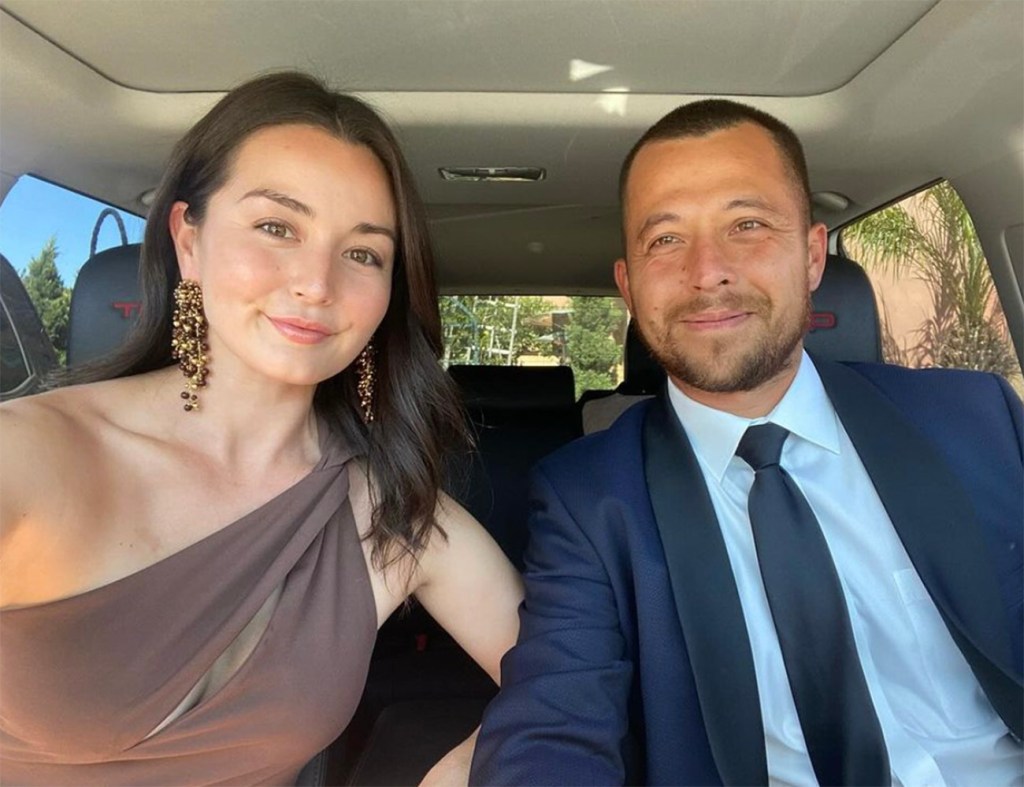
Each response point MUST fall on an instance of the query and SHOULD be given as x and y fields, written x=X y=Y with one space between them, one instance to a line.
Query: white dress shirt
x=939 y=727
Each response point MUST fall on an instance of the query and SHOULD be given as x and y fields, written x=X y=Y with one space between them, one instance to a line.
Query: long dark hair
x=417 y=414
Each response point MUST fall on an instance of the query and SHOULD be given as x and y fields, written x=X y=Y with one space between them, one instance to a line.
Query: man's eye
x=365 y=257
x=749 y=224
x=275 y=228
x=664 y=240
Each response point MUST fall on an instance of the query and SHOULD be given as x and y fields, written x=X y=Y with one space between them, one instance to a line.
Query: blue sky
x=34 y=210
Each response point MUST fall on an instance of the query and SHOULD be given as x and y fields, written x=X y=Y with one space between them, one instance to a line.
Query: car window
x=47 y=233
x=937 y=301
x=584 y=332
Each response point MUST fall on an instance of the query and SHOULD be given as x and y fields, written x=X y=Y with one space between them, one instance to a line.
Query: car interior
x=515 y=117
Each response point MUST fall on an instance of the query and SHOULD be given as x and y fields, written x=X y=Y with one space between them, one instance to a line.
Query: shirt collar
x=805 y=410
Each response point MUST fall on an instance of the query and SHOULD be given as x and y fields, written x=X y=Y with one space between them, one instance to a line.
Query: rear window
x=586 y=333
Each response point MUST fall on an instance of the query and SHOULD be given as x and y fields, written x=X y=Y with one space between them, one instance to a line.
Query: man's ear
x=817 y=253
x=622 y=282
x=183 y=235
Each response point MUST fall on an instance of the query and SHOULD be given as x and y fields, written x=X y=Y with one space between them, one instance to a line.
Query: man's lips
x=707 y=321
x=299 y=330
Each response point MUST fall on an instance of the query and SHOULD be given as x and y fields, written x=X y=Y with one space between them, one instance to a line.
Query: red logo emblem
x=822 y=321
x=127 y=308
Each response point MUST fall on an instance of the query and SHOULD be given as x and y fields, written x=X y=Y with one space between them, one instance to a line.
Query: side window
x=938 y=304
x=584 y=332
x=46 y=232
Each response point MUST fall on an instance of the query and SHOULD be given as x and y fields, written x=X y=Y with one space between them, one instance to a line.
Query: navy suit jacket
x=633 y=664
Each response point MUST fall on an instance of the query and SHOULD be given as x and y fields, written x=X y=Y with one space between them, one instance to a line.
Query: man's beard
x=746 y=368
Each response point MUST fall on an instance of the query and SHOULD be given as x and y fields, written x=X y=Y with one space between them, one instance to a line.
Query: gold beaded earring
x=188 y=339
x=366 y=371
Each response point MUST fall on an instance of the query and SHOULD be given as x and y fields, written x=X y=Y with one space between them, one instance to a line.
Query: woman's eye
x=365 y=257
x=275 y=228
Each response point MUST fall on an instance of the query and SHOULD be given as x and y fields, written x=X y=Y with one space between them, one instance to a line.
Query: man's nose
x=707 y=264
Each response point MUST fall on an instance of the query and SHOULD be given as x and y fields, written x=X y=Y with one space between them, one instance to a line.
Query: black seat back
x=105 y=303
x=519 y=415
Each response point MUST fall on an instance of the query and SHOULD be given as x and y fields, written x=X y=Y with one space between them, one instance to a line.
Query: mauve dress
x=85 y=679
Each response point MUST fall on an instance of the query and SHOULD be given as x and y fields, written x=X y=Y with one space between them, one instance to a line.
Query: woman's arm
x=472 y=590
x=468 y=585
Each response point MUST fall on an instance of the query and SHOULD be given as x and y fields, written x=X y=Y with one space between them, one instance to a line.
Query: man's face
x=720 y=262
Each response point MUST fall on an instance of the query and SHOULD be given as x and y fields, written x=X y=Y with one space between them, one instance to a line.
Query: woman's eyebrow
x=376 y=229
x=281 y=199
x=365 y=227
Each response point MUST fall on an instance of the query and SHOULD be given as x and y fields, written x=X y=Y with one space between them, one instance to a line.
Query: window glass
x=584 y=332
x=45 y=233
x=938 y=304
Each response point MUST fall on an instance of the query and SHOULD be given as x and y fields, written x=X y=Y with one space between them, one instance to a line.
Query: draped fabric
x=85 y=681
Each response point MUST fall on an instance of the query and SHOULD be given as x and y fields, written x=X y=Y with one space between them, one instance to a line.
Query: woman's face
x=294 y=256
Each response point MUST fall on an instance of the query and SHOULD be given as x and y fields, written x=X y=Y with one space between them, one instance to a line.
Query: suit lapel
x=707 y=601
x=937 y=525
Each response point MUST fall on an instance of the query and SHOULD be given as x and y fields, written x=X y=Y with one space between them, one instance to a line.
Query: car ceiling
x=887 y=95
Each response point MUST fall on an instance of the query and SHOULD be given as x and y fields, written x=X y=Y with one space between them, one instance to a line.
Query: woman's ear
x=183 y=235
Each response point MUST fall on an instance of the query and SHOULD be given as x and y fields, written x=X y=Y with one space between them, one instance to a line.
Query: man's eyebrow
x=752 y=202
x=654 y=220
x=281 y=199
x=376 y=229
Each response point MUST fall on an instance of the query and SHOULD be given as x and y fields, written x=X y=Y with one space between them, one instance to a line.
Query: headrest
x=844 y=319
x=104 y=303
x=642 y=374
x=515 y=387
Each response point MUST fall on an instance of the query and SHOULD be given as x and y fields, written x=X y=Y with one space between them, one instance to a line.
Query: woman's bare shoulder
x=63 y=452
x=50 y=442
x=44 y=425
x=51 y=421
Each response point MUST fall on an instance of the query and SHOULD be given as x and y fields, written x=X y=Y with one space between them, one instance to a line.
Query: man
x=783 y=570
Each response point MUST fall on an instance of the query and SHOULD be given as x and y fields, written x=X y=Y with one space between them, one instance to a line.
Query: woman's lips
x=300 y=331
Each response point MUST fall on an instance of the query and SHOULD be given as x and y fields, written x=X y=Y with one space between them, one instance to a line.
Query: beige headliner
x=886 y=94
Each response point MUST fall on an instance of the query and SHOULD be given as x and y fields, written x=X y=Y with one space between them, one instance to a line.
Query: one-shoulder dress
x=85 y=681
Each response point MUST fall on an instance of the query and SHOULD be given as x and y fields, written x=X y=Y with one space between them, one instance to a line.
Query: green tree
x=494 y=330
x=933 y=239
x=593 y=341
x=51 y=298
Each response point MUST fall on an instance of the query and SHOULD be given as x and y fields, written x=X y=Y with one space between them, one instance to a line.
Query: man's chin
x=725 y=375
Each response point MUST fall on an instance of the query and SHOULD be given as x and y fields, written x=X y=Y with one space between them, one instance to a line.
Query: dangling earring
x=366 y=371
x=188 y=339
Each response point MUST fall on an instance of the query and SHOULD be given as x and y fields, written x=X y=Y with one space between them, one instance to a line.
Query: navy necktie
x=843 y=736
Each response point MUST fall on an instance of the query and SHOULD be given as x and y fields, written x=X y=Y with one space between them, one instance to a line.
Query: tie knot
x=761 y=445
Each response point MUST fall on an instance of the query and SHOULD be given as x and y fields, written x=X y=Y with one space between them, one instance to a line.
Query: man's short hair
x=715 y=114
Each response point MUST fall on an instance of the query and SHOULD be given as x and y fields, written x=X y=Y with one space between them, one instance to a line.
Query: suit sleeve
x=561 y=715
x=1015 y=407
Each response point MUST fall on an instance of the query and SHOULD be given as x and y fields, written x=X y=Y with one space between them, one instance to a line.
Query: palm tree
x=931 y=237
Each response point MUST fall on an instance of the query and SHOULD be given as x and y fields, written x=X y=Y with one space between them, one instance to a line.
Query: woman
x=194 y=567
